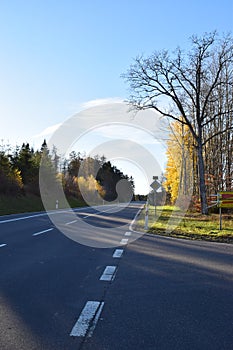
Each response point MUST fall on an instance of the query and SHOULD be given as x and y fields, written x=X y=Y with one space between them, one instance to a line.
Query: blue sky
x=58 y=55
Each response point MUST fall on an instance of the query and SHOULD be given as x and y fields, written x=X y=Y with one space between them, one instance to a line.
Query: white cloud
x=129 y=133
x=100 y=101
x=49 y=130
x=85 y=105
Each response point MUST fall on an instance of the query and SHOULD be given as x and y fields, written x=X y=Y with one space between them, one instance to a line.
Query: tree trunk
x=202 y=186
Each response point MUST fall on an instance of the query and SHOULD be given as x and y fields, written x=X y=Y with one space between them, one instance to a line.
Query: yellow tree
x=181 y=161
x=171 y=174
x=91 y=191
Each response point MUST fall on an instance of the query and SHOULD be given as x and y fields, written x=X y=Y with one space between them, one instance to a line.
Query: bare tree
x=182 y=84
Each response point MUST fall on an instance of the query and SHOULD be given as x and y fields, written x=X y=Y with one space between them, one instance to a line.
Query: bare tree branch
x=191 y=82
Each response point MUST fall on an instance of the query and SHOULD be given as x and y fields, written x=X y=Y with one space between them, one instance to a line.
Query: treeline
x=205 y=160
x=193 y=88
x=181 y=173
x=20 y=172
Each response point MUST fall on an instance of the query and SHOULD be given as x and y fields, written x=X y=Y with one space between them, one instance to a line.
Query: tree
x=24 y=162
x=174 y=162
x=10 y=178
x=181 y=160
x=186 y=83
x=49 y=180
x=109 y=177
x=74 y=164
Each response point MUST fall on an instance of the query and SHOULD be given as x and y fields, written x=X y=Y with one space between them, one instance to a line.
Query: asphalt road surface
x=150 y=293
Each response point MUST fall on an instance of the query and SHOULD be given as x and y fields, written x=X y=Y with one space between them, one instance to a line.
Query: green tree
x=49 y=180
x=74 y=164
x=109 y=176
x=10 y=177
x=28 y=162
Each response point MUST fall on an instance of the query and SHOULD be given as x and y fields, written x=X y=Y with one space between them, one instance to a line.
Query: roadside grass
x=170 y=221
x=30 y=203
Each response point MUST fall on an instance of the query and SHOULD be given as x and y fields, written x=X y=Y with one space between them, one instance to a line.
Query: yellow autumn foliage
x=180 y=155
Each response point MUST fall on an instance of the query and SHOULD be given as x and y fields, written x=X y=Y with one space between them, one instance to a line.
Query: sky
x=61 y=57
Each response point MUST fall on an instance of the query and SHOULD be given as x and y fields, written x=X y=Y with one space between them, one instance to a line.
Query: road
x=150 y=293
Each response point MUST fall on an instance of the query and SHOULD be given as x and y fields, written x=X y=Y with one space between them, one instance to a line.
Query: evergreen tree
x=10 y=177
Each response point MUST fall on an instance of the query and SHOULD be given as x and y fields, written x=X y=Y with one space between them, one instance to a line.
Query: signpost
x=155 y=186
x=224 y=200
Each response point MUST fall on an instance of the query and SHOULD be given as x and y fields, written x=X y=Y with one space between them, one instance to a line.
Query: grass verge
x=170 y=221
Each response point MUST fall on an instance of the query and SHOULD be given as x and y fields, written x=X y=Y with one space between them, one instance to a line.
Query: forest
x=20 y=170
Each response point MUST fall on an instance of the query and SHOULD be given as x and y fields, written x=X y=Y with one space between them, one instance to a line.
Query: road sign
x=225 y=199
x=155 y=185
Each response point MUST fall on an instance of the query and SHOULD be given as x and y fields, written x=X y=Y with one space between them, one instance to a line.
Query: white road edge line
x=71 y=222
x=2 y=245
x=133 y=221
x=34 y=216
x=118 y=253
x=88 y=319
x=39 y=233
x=108 y=274
x=124 y=241
x=52 y=212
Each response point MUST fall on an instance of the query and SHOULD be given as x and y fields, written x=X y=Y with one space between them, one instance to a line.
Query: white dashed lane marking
x=124 y=241
x=2 y=245
x=88 y=319
x=108 y=274
x=118 y=253
x=128 y=233
x=39 y=233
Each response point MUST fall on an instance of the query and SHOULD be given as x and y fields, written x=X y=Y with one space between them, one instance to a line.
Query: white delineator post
x=57 y=204
x=146 y=217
